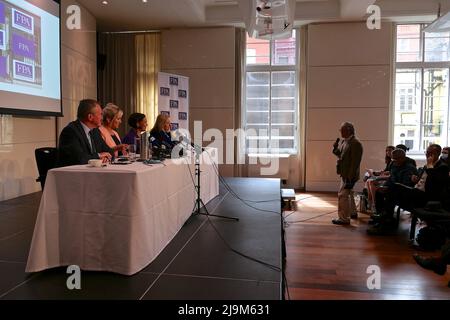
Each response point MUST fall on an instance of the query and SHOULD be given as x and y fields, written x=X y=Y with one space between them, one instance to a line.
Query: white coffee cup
x=95 y=163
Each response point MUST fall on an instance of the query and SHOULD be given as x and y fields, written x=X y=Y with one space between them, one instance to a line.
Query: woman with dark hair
x=388 y=158
x=138 y=124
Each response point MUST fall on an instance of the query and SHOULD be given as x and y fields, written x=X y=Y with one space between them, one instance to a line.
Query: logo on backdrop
x=23 y=47
x=23 y=21
x=23 y=71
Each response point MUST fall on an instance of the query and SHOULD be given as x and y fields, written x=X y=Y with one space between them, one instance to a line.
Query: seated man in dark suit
x=431 y=182
x=81 y=141
x=386 y=197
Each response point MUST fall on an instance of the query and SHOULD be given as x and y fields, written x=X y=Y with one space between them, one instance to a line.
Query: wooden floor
x=325 y=261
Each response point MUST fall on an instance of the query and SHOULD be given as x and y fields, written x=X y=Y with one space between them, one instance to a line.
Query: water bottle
x=144 y=145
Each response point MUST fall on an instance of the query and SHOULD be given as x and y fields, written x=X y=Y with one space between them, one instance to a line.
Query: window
x=406 y=99
x=271 y=96
x=421 y=88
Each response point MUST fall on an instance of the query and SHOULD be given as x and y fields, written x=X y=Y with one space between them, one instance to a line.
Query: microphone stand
x=199 y=202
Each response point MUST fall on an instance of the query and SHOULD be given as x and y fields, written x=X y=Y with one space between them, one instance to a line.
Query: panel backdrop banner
x=174 y=99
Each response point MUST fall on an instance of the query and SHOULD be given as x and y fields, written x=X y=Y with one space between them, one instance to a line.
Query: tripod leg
x=204 y=207
x=215 y=215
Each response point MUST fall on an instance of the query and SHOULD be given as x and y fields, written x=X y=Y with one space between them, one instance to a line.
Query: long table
x=116 y=218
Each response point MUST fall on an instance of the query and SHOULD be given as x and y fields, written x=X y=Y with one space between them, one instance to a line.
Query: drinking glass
x=132 y=152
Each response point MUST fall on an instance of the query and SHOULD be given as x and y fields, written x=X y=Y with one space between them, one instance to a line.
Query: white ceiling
x=134 y=15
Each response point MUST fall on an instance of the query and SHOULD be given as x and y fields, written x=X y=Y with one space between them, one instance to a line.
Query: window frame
x=422 y=66
x=270 y=68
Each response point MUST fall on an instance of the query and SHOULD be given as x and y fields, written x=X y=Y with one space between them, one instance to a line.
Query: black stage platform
x=198 y=264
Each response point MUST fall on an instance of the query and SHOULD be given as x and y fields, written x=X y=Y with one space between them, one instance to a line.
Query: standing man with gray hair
x=349 y=152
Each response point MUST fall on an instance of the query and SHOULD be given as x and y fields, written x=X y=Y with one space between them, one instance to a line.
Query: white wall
x=20 y=136
x=349 y=79
x=79 y=64
x=207 y=57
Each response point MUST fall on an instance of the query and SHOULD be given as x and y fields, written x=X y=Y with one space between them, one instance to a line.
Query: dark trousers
x=385 y=201
x=446 y=253
x=412 y=198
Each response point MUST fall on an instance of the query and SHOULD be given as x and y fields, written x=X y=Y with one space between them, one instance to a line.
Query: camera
x=263 y=5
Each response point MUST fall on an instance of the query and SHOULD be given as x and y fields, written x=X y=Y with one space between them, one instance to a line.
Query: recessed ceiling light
x=144 y=1
x=104 y=2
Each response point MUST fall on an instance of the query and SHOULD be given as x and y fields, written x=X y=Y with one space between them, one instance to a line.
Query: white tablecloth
x=116 y=218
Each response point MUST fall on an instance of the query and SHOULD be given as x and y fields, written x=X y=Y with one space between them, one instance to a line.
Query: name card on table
x=23 y=21
x=23 y=71
x=23 y=47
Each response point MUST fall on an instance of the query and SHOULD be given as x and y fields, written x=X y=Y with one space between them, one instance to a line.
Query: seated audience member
x=374 y=179
x=81 y=140
x=406 y=149
x=430 y=183
x=386 y=197
x=112 y=118
x=138 y=124
x=444 y=155
x=436 y=264
x=160 y=133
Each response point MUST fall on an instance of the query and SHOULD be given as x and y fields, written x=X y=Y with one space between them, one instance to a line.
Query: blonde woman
x=112 y=118
x=161 y=132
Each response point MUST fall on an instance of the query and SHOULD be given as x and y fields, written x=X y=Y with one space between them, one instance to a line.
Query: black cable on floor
x=227 y=186
x=309 y=219
x=275 y=268
x=234 y=194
